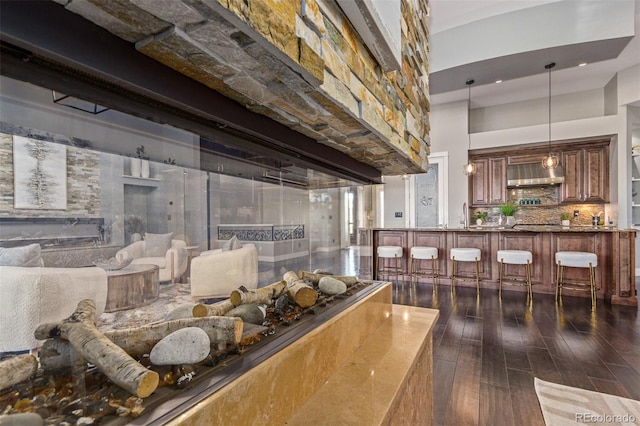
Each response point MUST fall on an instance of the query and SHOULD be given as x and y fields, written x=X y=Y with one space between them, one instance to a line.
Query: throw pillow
x=156 y=245
x=231 y=244
x=236 y=244
x=21 y=256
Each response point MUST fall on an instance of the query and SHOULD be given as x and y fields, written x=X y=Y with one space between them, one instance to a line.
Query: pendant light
x=551 y=161
x=469 y=168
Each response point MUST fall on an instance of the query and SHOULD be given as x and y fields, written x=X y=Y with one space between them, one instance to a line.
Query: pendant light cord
x=549 y=66
x=469 y=83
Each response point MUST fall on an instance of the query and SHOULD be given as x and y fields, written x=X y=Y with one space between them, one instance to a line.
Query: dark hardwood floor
x=487 y=352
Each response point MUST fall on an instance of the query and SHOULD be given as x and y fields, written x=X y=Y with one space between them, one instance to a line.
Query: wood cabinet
x=489 y=183
x=586 y=174
x=585 y=164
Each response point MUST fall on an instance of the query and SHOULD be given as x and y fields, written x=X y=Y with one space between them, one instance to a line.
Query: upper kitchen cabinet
x=489 y=183
x=586 y=172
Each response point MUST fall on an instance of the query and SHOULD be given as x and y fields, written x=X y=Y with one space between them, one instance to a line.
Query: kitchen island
x=615 y=274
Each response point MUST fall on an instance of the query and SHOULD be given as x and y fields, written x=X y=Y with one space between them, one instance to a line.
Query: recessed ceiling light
x=582 y=64
x=498 y=81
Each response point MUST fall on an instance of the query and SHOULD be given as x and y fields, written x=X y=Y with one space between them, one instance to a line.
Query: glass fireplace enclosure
x=108 y=178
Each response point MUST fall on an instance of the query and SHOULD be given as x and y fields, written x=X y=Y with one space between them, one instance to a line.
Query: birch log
x=315 y=278
x=16 y=369
x=57 y=353
x=260 y=296
x=298 y=291
x=214 y=310
x=140 y=340
x=80 y=330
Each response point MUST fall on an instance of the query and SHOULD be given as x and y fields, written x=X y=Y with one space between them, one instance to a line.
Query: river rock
x=329 y=285
x=188 y=345
x=322 y=272
x=251 y=313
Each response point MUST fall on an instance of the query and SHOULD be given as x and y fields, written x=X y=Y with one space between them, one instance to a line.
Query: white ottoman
x=516 y=257
x=388 y=260
x=577 y=259
x=465 y=254
x=418 y=253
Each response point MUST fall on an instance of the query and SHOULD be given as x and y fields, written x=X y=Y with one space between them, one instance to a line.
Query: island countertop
x=615 y=248
x=516 y=228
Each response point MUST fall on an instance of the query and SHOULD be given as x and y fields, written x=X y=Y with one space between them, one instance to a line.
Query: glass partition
x=126 y=177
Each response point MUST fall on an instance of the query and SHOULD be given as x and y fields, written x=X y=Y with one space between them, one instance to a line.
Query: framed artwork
x=40 y=174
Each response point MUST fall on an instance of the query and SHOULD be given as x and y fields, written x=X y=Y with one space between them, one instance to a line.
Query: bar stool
x=516 y=257
x=388 y=253
x=417 y=254
x=577 y=259
x=465 y=254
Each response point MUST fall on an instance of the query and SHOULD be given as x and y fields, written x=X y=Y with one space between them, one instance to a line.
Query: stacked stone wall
x=299 y=62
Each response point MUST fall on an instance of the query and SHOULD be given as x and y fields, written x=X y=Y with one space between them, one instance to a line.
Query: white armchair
x=215 y=273
x=172 y=264
x=36 y=295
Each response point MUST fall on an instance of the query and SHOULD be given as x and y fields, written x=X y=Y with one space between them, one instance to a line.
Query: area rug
x=564 y=405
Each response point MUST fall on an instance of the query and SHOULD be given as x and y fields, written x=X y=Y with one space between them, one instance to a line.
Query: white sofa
x=215 y=273
x=172 y=265
x=35 y=295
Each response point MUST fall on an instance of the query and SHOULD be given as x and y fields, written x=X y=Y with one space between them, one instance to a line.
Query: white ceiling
x=449 y=14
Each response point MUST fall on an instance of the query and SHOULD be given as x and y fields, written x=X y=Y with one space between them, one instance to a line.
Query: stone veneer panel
x=83 y=183
x=299 y=62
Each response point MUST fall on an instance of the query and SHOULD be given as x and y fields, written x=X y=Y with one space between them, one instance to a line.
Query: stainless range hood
x=533 y=174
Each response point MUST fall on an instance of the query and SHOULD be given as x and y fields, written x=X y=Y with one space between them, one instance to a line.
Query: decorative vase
x=511 y=222
x=144 y=169
x=135 y=167
x=478 y=222
x=566 y=222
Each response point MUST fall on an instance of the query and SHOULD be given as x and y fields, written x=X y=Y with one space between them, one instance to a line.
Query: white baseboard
x=325 y=249
x=283 y=256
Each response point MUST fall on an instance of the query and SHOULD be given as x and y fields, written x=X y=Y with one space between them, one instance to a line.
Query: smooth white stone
x=250 y=313
x=329 y=285
x=185 y=346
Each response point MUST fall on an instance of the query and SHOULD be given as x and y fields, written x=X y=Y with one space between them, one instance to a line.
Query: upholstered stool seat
x=465 y=254
x=577 y=259
x=516 y=257
x=385 y=254
x=419 y=253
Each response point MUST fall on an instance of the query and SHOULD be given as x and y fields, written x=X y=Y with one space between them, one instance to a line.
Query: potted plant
x=565 y=218
x=480 y=217
x=509 y=209
x=144 y=162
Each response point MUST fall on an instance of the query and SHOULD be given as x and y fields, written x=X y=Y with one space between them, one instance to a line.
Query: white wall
x=395 y=198
x=449 y=134
x=522 y=123
x=569 y=107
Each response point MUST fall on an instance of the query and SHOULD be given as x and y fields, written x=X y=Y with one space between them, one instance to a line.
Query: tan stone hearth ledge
x=370 y=364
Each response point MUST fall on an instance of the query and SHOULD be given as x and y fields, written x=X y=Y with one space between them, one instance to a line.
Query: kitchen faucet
x=465 y=214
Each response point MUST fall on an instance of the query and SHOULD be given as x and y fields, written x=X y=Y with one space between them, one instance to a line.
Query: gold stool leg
x=477 y=276
x=434 y=271
x=396 y=267
x=527 y=269
x=500 y=270
x=453 y=273
x=592 y=282
x=557 y=279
